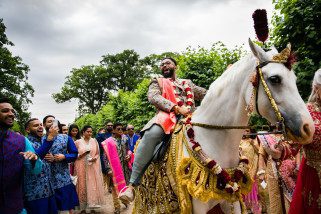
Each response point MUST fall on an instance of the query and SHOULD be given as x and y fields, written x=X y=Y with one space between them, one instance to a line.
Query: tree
x=126 y=67
x=298 y=22
x=203 y=66
x=133 y=106
x=90 y=85
x=14 y=78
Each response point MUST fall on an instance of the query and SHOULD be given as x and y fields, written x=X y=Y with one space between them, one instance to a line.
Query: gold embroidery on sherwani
x=319 y=201
x=310 y=198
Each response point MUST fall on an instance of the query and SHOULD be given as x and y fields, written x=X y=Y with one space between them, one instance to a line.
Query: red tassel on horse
x=261 y=24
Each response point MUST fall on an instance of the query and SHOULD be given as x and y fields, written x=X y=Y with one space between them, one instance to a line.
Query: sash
x=166 y=120
x=110 y=148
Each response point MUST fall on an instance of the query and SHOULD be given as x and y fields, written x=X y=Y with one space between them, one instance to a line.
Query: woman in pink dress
x=87 y=167
x=307 y=195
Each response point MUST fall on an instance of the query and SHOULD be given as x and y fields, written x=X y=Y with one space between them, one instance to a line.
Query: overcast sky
x=54 y=36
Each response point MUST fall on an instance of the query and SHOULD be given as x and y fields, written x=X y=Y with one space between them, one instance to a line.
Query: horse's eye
x=275 y=79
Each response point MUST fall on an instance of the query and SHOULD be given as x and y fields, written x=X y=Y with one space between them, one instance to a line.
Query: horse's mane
x=245 y=64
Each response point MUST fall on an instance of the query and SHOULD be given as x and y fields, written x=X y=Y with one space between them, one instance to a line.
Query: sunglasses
x=118 y=129
x=130 y=129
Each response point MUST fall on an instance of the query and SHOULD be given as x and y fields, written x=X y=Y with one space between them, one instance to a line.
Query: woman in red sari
x=307 y=195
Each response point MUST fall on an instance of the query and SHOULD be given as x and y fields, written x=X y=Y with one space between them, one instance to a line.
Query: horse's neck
x=224 y=105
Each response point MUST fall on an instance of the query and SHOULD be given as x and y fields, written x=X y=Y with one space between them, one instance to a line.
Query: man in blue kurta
x=62 y=152
x=16 y=156
x=39 y=192
x=132 y=137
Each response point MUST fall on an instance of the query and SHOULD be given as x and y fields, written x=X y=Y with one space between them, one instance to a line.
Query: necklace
x=187 y=89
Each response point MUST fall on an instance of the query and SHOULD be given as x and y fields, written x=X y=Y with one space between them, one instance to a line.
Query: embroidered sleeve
x=199 y=92
x=155 y=97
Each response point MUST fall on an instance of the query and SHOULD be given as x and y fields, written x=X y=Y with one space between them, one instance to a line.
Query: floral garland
x=224 y=180
x=189 y=95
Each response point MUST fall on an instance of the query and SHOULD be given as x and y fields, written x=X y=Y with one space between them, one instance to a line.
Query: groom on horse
x=172 y=97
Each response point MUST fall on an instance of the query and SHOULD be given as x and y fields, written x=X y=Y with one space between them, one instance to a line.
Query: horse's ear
x=274 y=51
x=258 y=52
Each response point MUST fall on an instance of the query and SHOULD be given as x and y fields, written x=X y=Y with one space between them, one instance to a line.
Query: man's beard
x=109 y=129
x=5 y=126
x=35 y=134
x=169 y=74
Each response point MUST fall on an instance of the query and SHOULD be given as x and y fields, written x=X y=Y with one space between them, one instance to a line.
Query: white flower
x=217 y=169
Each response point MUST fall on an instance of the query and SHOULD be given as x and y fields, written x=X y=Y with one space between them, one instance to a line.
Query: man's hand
x=53 y=132
x=110 y=173
x=276 y=150
x=49 y=157
x=29 y=155
x=59 y=157
x=183 y=110
x=261 y=177
x=92 y=159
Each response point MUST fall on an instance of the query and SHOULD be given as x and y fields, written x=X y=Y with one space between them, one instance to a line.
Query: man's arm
x=72 y=151
x=44 y=148
x=199 y=92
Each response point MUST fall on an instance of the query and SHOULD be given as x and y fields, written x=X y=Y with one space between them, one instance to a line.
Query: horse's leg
x=231 y=208
x=200 y=207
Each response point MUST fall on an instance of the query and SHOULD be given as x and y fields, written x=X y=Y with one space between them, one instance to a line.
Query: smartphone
x=55 y=123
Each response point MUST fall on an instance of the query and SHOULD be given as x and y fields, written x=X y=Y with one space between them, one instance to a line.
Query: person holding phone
x=62 y=152
x=38 y=191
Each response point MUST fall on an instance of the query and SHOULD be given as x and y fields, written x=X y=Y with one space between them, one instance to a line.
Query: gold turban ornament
x=283 y=56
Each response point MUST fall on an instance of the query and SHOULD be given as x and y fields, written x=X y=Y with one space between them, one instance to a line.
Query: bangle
x=260 y=172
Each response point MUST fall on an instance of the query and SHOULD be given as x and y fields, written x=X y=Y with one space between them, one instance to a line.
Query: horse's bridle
x=278 y=128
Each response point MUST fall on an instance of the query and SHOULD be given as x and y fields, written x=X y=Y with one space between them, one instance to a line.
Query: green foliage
x=298 y=22
x=203 y=66
x=126 y=68
x=133 y=107
x=14 y=79
x=98 y=120
x=127 y=107
x=90 y=85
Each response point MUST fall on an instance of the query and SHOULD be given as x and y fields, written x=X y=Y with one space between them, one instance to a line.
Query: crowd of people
x=63 y=169
x=58 y=168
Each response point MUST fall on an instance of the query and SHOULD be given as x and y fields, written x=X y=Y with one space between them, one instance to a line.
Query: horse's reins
x=279 y=126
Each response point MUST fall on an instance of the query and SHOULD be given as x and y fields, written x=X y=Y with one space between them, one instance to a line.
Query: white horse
x=225 y=104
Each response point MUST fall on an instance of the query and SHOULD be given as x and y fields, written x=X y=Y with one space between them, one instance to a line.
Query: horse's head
x=282 y=84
